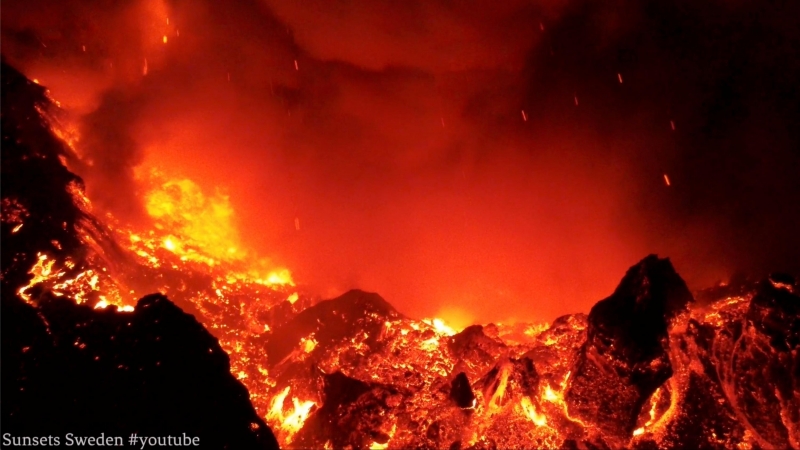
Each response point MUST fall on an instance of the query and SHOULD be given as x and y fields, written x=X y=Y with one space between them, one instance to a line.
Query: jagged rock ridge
x=625 y=357
x=69 y=368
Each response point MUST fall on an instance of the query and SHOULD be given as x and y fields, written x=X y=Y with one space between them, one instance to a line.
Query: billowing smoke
x=478 y=160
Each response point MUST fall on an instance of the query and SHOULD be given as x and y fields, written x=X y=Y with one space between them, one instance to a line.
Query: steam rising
x=478 y=161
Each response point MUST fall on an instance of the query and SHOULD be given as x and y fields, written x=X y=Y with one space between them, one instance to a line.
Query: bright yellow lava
x=440 y=327
x=202 y=228
x=530 y=410
x=204 y=223
x=290 y=422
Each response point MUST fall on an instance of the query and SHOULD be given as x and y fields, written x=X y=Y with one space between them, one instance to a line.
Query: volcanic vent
x=649 y=366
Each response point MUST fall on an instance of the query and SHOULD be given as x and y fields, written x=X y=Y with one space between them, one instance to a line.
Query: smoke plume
x=484 y=161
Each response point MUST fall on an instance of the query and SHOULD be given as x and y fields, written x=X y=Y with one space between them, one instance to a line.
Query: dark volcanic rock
x=625 y=356
x=339 y=389
x=706 y=418
x=474 y=350
x=565 y=325
x=156 y=371
x=510 y=378
x=332 y=322
x=68 y=368
x=763 y=372
x=461 y=392
x=38 y=212
x=473 y=343
x=564 y=338
x=352 y=415
x=775 y=312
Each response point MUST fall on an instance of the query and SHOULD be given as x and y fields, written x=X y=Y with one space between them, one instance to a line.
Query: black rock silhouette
x=625 y=356
x=461 y=392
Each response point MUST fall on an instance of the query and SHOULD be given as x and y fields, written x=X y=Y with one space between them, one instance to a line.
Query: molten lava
x=354 y=372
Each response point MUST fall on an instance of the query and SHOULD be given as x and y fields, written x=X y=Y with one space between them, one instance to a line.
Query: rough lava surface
x=70 y=368
x=649 y=367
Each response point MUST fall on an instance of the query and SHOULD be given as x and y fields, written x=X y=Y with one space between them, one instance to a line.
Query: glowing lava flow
x=292 y=421
x=440 y=327
x=195 y=255
x=65 y=279
x=41 y=271
x=201 y=228
x=408 y=383
x=192 y=252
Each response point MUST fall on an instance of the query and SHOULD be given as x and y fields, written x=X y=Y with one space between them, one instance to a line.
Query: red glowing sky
x=394 y=133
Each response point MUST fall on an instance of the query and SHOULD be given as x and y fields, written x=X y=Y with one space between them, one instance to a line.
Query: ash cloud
x=395 y=134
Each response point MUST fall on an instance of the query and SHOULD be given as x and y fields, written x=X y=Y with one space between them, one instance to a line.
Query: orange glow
x=556 y=397
x=530 y=411
x=288 y=423
x=276 y=411
x=474 y=218
x=294 y=422
x=281 y=278
x=63 y=279
x=551 y=395
x=41 y=271
x=440 y=327
x=102 y=304
x=309 y=345
x=206 y=224
x=201 y=228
